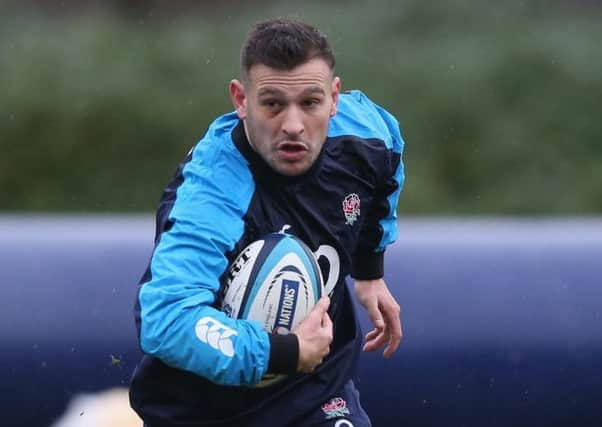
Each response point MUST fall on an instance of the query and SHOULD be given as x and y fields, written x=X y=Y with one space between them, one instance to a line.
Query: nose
x=292 y=124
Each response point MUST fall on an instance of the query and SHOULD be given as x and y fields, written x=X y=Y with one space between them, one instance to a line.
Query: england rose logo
x=351 y=208
x=335 y=407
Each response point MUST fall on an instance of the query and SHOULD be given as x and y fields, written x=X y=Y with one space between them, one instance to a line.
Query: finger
x=377 y=342
x=372 y=334
x=394 y=326
x=327 y=323
x=393 y=344
x=317 y=313
x=322 y=305
x=374 y=313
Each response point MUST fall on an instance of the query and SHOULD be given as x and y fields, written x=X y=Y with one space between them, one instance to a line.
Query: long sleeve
x=178 y=322
x=380 y=226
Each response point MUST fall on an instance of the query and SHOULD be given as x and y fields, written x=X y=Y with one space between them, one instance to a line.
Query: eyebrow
x=269 y=91
x=272 y=91
x=313 y=89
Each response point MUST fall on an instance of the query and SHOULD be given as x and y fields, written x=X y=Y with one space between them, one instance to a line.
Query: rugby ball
x=275 y=281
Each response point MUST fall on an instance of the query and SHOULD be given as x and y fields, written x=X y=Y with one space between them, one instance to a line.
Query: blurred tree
x=498 y=102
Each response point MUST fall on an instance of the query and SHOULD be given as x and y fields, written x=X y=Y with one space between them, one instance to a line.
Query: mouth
x=292 y=146
x=292 y=150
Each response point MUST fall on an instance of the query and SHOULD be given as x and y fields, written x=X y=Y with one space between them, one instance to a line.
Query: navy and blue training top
x=222 y=198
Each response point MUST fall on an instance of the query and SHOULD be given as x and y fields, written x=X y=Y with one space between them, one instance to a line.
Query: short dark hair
x=283 y=44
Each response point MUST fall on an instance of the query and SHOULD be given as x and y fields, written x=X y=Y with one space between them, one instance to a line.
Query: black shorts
x=341 y=410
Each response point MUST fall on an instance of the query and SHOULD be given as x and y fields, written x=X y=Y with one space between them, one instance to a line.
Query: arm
x=379 y=230
x=177 y=320
x=178 y=323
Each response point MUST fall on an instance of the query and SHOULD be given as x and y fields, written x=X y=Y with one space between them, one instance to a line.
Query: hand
x=315 y=335
x=383 y=311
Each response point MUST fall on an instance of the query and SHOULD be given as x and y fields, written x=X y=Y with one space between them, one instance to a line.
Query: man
x=296 y=153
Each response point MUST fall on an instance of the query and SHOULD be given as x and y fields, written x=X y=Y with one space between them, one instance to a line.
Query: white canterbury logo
x=216 y=334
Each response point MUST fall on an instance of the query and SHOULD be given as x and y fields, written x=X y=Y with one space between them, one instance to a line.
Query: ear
x=336 y=90
x=237 y=94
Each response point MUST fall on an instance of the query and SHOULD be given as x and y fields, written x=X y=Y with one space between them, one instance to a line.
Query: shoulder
x=217 y=145
x=216 y=169
x=358 y=116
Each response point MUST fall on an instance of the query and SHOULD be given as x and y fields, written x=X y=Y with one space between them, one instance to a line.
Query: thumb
x=321 y=306
x=316 y=315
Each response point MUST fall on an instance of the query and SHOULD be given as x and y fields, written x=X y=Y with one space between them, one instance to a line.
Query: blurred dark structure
x=501 y=320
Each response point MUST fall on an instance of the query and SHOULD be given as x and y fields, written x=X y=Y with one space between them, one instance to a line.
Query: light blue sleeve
x=178 y=323
x=389 y=223
x=360 y=116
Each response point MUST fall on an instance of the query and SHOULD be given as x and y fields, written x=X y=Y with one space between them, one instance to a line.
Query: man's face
x=286 y=112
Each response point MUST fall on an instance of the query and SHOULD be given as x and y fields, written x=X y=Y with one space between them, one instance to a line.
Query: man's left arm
x=380 y=230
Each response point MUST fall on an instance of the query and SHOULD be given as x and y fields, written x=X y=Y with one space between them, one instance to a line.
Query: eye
x=311 y=102
x=271 y=104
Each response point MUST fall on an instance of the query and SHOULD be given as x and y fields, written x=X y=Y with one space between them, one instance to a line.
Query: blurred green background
x=499 y=102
